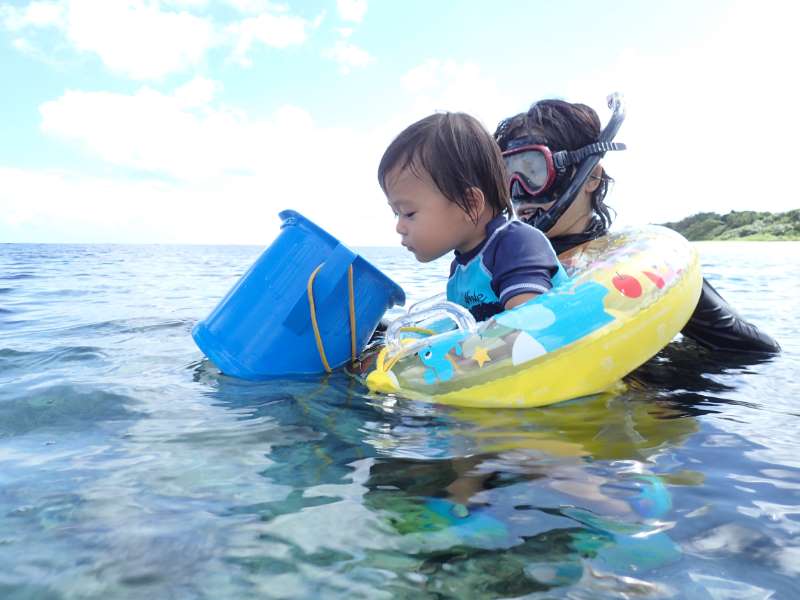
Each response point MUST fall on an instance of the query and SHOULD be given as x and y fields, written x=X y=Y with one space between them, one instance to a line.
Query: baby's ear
x=476 y=202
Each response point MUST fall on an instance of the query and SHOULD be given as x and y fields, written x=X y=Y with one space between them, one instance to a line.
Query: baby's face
x=429 y=224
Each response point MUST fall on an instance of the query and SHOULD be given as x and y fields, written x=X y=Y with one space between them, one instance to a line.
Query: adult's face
x=575 y=219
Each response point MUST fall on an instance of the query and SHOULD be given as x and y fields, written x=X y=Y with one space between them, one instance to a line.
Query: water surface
x=130 y=468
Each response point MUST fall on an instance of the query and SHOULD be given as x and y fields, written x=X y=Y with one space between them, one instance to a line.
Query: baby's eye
x=409 y=215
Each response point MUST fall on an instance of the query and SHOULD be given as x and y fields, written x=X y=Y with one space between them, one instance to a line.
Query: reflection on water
x=130 y=468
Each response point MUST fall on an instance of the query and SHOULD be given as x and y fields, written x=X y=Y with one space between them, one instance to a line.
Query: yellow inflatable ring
x=629 y=294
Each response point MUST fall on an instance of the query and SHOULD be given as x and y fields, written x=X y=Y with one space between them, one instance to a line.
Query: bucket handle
x=313 y=312
x=330 y=272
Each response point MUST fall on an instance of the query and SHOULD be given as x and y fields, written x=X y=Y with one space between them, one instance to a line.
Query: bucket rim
x=288 y=214
x=398 y=295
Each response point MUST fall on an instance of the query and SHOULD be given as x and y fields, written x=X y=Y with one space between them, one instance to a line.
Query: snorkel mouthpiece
x=545 y=220
x=529 y=217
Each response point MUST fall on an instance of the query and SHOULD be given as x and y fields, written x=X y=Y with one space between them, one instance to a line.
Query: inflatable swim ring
x=628 y=294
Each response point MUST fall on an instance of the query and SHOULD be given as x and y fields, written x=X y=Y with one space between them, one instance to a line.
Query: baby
x=446 y=183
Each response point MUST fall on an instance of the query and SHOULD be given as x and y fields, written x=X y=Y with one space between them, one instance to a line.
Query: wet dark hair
x=458 y=153
x=561 y=126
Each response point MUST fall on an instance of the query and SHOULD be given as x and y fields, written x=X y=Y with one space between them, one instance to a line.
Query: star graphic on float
x=481 y=355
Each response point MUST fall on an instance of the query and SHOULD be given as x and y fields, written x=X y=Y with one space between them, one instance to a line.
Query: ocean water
x=130 y=468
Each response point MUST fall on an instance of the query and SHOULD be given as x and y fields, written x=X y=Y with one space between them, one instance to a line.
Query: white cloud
x=273 y=30
x=348 y=56
x=709 y=128
x=197 y=92
x=35 y=14
x=138 y=39
x=227 y=174
x=146 y=40
x=57 y=206
x=131 y=37
x=352 y=10
x=150 y=131
x=258 y=6
x=23 y=45
x=423 y=77
x=190 y=4
x=437 y=85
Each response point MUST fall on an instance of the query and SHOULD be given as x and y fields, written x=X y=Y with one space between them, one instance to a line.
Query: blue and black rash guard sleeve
x=523 y=262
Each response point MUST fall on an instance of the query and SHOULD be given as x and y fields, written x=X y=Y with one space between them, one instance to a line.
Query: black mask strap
x=566 y=158
x=544 y=221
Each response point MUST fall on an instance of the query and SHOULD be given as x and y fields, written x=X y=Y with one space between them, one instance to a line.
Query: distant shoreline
x=740 y=226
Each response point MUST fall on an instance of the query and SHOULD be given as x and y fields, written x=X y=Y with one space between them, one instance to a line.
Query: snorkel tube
x=548 y=218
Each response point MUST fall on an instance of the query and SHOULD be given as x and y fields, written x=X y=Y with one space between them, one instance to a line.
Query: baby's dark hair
x=561 y=126
x=458 y=154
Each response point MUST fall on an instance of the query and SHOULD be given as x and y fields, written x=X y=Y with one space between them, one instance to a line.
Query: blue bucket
x=263 y=327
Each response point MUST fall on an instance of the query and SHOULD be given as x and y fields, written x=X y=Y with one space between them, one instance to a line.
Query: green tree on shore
x=740 y=225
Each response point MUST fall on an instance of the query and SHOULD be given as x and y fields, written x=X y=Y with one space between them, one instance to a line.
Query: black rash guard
x=713 y=324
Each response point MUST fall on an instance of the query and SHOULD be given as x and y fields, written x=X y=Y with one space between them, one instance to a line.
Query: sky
x=197 y=121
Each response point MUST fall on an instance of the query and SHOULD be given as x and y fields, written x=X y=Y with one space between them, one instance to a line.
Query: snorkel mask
x=539 y=176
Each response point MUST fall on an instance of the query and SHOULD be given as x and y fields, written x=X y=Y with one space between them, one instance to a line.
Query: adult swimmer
x=552 y=152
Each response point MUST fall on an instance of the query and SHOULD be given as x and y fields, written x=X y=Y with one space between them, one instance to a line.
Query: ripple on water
x=64 y=293
x=60 y=407
x=127 y=326
x=12 y=359
x=131 y=468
